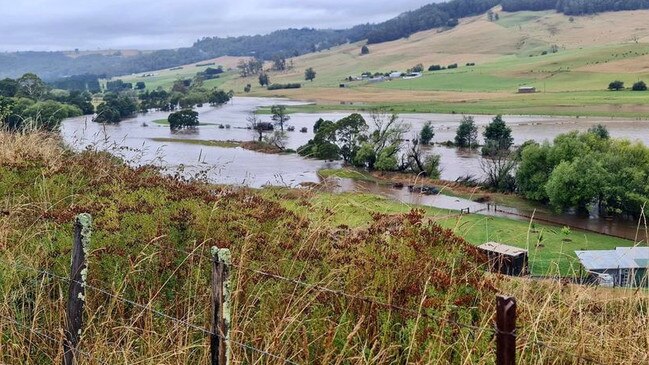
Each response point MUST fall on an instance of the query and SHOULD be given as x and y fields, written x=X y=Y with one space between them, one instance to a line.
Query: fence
x=504 y=330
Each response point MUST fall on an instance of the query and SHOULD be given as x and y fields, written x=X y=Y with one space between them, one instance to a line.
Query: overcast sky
x=155 y=24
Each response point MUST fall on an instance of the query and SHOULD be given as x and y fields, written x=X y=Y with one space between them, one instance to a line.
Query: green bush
x=284 y=86
x=639 y=86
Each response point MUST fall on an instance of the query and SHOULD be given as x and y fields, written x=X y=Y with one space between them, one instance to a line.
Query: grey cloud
x=155 y=24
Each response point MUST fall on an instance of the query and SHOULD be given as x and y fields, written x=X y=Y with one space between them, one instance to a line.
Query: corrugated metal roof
x=502 y=249
x=621 y=257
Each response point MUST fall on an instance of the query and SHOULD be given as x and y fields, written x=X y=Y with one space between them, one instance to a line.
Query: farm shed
x=506 y=259
x=626 y=265
x=526 y=90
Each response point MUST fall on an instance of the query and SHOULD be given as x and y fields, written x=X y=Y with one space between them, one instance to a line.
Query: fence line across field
x=278 y=277
x=348 y=295
x=504 y=331
x=156 y=312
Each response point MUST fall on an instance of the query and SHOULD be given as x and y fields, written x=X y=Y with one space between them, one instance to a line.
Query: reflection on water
x=132 y=140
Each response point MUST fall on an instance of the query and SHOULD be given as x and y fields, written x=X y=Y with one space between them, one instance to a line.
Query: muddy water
x=132 y=140
x=244 y=167
x=614 y=227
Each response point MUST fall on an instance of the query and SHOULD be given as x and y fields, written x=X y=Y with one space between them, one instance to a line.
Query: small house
x=395 y=75
x=526 y=90
x=627 y=266
x=504 y=259
x=412 y=75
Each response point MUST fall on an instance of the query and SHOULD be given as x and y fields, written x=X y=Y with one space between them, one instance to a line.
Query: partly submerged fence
x=504 y=330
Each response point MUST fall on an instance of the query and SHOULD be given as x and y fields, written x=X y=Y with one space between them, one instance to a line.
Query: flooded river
x=132 y=139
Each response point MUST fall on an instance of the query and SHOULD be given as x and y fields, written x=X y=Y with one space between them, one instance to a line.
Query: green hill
x=569 y=60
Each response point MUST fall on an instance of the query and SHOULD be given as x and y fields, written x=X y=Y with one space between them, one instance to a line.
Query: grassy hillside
x=166 y=77
x=591 y=51
x=151 y=241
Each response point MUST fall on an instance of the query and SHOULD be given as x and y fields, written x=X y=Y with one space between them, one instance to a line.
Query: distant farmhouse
x=526 y=90
x=624 y=266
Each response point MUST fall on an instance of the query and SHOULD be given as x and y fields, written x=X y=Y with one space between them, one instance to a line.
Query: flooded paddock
x=133 y=140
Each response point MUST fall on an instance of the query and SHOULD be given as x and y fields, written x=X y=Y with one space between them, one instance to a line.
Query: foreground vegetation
x=152 y=235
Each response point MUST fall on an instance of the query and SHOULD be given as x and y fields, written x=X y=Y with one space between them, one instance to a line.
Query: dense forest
x=575 y=7
x=288 y=42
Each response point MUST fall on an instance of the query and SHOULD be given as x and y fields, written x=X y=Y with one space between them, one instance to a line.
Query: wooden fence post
x=219 y=344
x=505 y=330
x=76 y=294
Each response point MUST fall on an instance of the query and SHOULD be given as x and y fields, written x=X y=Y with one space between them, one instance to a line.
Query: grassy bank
x=256 y=146
x=151 y=241
x=165 y=122
x=199 y=142
x=551 y=251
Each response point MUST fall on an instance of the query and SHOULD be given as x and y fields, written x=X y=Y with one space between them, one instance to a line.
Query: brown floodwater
x=622 y=228
x=132 y=139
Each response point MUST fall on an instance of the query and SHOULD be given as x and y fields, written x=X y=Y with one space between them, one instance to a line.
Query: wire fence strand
x=293 y=281
x=365 y=299
x=325 y=289
x=41 y=334
x=156 y=312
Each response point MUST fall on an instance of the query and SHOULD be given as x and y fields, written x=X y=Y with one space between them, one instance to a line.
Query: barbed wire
x=364 y=299
x=341 y=293
x=156 y=312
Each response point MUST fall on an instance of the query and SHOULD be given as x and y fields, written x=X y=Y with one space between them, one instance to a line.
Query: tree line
x=287 y=42
x=28 y=102
x=185 y=94
x=581 y=170
x=575 y=7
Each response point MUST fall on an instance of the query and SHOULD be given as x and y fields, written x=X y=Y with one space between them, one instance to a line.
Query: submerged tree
x=427 y=133
x=497 y=136
x=467 y=133
x=256 y=125
x=384 y=143
x=599 y=130
x=183 y=119
x=279 y=115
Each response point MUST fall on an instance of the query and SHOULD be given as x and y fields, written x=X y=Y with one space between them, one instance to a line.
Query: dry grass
x=573 y=322
x=369 y=95
x=22 y=149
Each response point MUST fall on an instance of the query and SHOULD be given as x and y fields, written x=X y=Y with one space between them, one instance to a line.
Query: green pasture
x=551 y=251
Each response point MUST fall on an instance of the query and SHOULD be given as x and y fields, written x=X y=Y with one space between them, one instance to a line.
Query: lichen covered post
x=221 y=306
x=76 y=294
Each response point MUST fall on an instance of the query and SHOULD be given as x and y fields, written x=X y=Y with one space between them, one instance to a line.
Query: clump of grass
x=348 y=173
x=200 y=142
x=21 y=149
